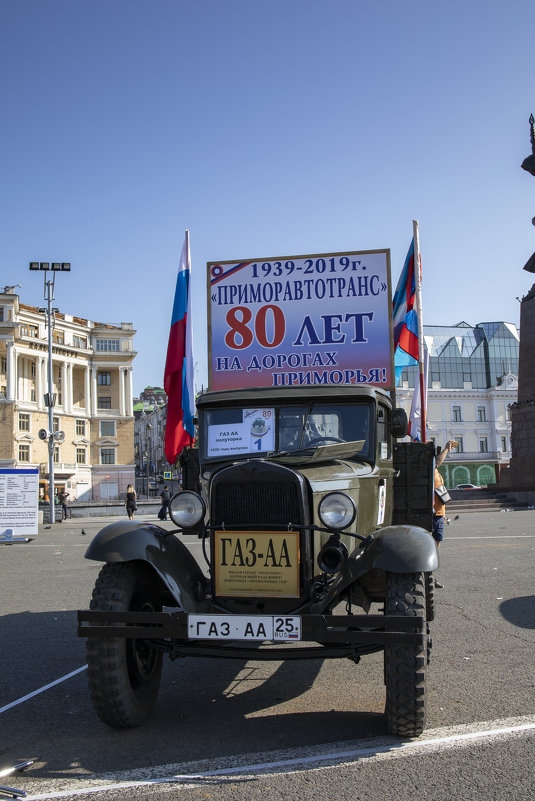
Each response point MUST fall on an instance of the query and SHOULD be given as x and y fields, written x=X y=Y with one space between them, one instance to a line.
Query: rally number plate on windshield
x=285 y=628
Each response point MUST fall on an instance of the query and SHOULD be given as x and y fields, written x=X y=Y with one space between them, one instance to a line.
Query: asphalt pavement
x=317 y=727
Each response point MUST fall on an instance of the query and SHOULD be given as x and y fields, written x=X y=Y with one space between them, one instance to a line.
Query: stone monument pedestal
x=520 y=475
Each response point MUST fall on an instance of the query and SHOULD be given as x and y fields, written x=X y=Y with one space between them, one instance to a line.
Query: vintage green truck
x=315 y=527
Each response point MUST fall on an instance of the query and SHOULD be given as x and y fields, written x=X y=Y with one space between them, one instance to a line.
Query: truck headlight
x=337 y=510
x=186 y=509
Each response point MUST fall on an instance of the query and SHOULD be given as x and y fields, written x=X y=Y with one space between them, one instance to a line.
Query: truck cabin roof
x=304 y=394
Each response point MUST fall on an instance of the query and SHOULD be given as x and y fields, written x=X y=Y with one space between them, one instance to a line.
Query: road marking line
x=41 y=689
x=497 y=537
x=380 y=751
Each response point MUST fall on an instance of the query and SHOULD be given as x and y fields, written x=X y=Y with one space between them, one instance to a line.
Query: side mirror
x=399 y=423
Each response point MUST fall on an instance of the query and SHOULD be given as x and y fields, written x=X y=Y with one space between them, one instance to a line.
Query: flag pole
x=418 y=286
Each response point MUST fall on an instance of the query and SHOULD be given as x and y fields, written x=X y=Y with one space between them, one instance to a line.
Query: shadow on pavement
x=206 y=708
x=520 y=611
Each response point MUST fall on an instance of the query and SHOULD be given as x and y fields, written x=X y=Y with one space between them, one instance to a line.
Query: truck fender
x=130 y=541
x=398 y=549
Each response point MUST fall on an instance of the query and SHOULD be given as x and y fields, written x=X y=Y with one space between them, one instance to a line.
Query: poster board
x=19 y=504
x=301 y=320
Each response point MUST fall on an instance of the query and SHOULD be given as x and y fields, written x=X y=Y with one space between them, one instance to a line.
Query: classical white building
x=92 y=385
x=472 y=381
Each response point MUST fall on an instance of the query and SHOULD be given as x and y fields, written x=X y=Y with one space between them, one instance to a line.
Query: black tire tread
x=405 y=666
x=116 y=702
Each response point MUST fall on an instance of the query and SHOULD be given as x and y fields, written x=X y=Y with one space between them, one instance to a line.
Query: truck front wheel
x=124 y=674
x=405 y=666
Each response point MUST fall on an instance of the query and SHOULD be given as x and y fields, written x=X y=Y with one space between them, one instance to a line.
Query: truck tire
x=405 y=666
x=124 y=674
x=429 y=597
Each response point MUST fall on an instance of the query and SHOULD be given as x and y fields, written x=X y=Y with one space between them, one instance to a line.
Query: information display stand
x=19 y=504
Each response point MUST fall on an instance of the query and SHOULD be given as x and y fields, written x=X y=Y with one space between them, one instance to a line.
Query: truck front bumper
x=333 y=635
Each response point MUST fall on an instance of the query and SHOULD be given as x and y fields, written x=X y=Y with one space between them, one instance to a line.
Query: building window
x=3 y=365
x=1 y=314
x=481 y=414
x=56 y=454
x=79 y=342
x=460 y=445
x=456 y=414
x=55 y=424
x=483 y=445
x=504 y=444
x=58 y=337
x=24 y=453
x=24 y=421
x=104 y=403
x=107 y=344
x=32 y=395
x=103 y=378
x=80 y=428
x=32 y=369
x=107 y=428
x=107 y=456
x=27 y=330
x=80 y=455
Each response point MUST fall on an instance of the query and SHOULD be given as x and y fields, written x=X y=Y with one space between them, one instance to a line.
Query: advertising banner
x=300 y=320
x=19 y=493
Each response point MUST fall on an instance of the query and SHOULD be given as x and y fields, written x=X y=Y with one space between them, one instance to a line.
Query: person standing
x=130 y=501
x=62 y=498
x=439 y=507
x=165 y=495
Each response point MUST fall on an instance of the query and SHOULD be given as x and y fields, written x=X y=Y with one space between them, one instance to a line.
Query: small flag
x=405 y=318
x=178 y=375
x=415 y=417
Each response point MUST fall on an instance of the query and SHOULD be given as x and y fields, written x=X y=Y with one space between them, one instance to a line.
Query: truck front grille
x=260 y=497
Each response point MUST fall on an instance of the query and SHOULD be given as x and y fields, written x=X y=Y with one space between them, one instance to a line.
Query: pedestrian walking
x=165 y=495
x=130 y=501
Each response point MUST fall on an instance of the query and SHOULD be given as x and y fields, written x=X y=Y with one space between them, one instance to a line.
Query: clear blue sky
x=265 y=128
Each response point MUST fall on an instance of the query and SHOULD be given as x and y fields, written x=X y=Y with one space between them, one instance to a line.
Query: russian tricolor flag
x=178 y=376
x=405 y=318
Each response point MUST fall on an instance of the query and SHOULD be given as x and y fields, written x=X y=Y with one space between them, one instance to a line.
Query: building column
x=87 y=390
x=11 y=371
x=121 y=391
x=62 y=370
x=129 y=393
x=69 y=394
x=93 y=391
x=39 y=382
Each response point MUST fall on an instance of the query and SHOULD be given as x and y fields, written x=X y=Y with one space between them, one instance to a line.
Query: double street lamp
x=50 y=398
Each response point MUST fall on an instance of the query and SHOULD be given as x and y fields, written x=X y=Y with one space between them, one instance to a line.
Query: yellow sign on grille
x=257 y=564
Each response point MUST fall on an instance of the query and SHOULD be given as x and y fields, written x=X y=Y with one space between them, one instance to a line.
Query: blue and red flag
x=405 y=318
x=178 y=375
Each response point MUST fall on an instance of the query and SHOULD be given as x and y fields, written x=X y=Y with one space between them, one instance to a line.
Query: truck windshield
x=283 y=430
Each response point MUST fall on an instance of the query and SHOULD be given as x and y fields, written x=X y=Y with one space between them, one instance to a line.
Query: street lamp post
x=50 y=397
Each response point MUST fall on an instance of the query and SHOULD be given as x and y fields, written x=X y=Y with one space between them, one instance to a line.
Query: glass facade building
x=472 y=381
x=481 y=355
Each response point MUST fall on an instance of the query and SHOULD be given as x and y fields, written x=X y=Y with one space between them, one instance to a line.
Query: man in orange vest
x=439 y=507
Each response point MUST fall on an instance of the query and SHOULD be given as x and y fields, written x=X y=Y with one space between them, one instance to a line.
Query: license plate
x=256 y=564
x=279 y=628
